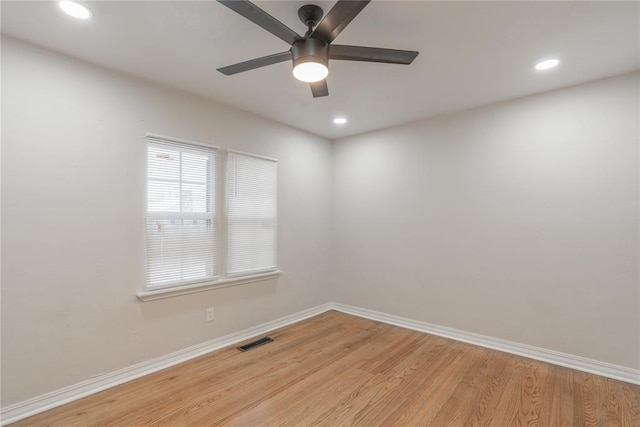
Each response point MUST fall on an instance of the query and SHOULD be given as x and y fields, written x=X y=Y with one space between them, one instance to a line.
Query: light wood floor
x=336 y=369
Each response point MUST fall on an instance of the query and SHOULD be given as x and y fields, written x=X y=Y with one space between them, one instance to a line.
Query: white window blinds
x=251 y=214
x=181 y=222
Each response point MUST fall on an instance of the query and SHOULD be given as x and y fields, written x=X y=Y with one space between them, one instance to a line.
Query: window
x=184 y=226
x=181 y=232
x=251 y=214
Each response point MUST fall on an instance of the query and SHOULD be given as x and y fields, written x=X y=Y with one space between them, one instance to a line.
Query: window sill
x=175 y=291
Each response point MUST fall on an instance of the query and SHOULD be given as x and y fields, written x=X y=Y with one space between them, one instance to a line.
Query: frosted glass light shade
x=310 y=72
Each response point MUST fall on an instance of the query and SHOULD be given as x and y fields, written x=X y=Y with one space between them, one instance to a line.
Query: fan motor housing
x=310 y=50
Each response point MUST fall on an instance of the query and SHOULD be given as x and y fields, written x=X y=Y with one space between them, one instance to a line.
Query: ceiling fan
x=311 y=53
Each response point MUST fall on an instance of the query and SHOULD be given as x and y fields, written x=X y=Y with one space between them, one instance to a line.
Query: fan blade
x=256 y=63
x=338 y=18
x=371 y=54
x=320 y=88
x=259 y=17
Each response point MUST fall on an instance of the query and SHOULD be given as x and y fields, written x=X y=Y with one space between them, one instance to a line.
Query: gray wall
x=517 y=221
x=73 y=212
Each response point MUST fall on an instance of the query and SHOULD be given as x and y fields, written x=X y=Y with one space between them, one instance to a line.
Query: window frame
x=220 y=220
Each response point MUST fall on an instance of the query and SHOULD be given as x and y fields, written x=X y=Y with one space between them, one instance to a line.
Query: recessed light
x=339 y=120
x=75 y=9
x=546 y=64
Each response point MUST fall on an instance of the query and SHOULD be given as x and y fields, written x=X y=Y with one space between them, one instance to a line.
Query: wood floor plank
x=508 y=408
x=630 y=403
x=579 y=414
x=552 y=399
x=548 y=396
x=335 y=369
x=491 y=395
x=531 y=393
x=600 y=400
x=589 y=405
x=614 y=407
x=567 y=396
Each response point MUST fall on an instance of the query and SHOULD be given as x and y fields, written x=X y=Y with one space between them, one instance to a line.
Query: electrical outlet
x=209 y=314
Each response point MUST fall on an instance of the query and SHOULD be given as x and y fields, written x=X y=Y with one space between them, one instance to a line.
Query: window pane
x=181 y=234
x=195 y=168
x=163 y=196
x=163 y=163
x=179 y=250
x=251 y=214
x=194 y=198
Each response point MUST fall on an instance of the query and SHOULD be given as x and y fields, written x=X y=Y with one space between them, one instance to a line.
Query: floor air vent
x=255 y=344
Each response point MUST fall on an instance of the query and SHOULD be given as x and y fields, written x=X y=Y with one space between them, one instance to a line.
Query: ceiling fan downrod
x=310 y=15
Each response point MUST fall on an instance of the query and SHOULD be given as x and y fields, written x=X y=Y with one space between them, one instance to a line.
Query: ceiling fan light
x=310 y=60
x=310 y=72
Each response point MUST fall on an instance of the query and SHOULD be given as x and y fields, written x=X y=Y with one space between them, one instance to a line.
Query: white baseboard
x=591 y=366
x=77 y=391
x=59 y=397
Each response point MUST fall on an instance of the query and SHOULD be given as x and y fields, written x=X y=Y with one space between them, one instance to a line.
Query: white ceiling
x=471 y=53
